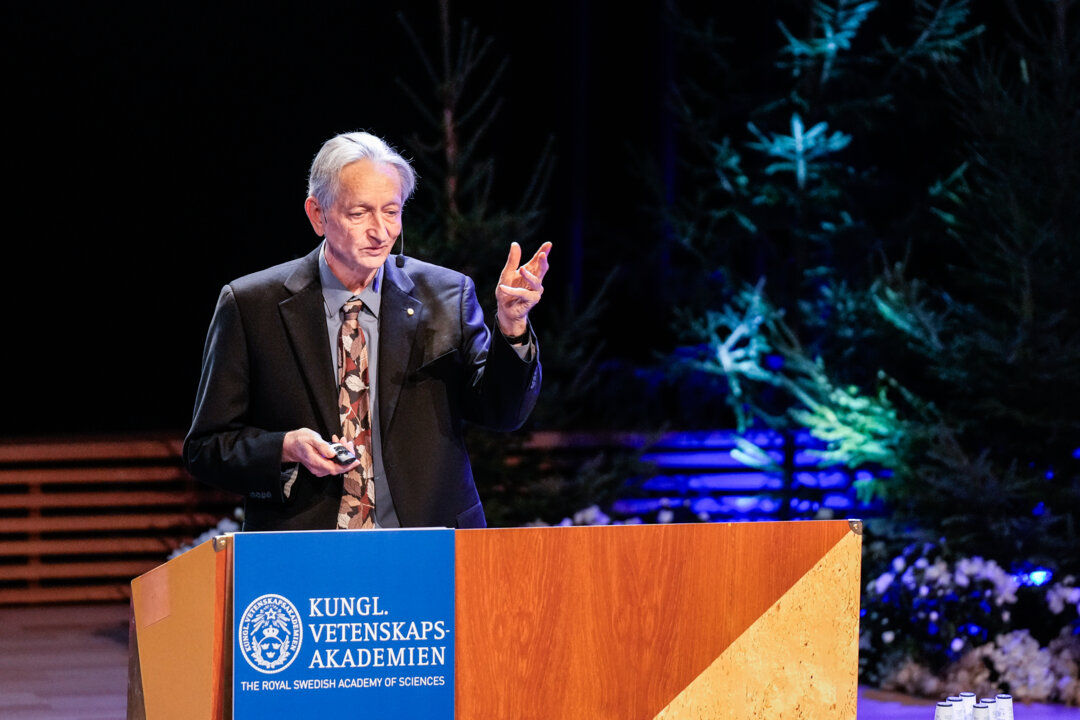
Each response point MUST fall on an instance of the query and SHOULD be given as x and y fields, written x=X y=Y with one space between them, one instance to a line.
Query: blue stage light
x=1034 y=578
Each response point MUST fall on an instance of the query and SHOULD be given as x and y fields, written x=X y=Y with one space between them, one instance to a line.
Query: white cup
x=946 y=711
x=967 y=700
x=1004 y=707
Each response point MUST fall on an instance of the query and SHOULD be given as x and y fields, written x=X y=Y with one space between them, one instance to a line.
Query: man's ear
x=315 y=215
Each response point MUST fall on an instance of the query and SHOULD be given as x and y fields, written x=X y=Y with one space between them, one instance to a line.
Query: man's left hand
x=520 y=288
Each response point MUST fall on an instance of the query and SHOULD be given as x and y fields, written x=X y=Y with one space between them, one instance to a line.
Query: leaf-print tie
x=358 y=493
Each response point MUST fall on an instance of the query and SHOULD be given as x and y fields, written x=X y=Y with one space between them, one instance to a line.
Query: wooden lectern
x=737 y=620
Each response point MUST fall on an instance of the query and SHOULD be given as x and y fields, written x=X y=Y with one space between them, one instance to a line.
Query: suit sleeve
x=504 y=387
x=222 y=448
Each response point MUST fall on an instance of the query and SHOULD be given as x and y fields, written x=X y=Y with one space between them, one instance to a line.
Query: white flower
x=971 y=567
x=939 y=571
x=882 y=583
x=1005 y=585
x=924 y=591
x=665 y=516
x=912 y=678
x=586 y=516
x=1061 y=595
x=888 y=636
x=1024 y=666
x=957 y=645
x=898 y=564
x=934 y=616
x=971 y=672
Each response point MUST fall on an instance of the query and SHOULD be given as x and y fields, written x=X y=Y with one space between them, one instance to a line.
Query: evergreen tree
x=906 y=205
x=998 y=338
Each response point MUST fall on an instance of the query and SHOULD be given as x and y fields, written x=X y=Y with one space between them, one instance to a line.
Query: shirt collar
x=335 y=294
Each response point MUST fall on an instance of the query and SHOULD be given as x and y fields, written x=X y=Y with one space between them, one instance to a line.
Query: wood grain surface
x=613 y=622
x=183 y=623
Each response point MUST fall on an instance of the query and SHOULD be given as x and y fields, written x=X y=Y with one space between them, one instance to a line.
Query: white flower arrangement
x=930 y=627
x=225 y=525
x=591 y=515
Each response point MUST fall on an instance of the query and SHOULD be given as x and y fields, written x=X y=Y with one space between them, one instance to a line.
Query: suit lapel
x=304 y=318
x=399 y=318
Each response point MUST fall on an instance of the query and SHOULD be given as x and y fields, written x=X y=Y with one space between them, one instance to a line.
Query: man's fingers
x=342 y=469
x=541 y=255
x=512 y=273
x=541 y=267
x=517 y=298
x=513 y=259
x=538 y=266
x=526 y=272
x=517 y=291
x=531 y=280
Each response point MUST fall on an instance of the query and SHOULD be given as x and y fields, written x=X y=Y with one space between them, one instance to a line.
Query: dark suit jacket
x=267 y=370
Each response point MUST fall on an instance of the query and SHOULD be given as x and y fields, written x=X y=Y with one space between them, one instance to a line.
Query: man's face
x=362 y=224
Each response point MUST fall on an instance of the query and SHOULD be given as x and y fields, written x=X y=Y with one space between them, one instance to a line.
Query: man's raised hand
x=520 y=288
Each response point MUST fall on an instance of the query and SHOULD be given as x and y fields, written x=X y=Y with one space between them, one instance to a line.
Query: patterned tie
x=358 y=494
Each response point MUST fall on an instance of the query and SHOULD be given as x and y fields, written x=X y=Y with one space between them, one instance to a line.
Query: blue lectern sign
x=343 y=624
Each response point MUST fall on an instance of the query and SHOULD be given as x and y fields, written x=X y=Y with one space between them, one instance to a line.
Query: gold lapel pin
x=409 y=311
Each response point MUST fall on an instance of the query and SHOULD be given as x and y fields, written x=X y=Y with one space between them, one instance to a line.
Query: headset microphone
x=400 y=259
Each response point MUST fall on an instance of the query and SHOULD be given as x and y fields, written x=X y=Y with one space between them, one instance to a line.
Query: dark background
x=156 y=151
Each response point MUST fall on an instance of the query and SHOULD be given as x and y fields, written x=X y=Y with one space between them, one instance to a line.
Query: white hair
x=324 y=180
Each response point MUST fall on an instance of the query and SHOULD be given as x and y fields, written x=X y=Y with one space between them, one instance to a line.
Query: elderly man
x=389 y=356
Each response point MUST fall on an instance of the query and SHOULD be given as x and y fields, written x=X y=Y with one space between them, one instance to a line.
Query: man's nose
x=379 y=229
